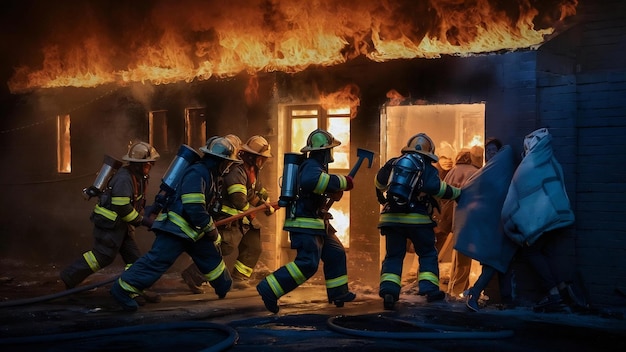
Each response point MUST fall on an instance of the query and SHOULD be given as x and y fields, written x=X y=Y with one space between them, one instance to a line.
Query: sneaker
x=388 y=302
x=270 y=302
x=123 y=298
x=435 y=296
x=471 y=302
x=191 y=283
x=549 y=302
x=346 y=297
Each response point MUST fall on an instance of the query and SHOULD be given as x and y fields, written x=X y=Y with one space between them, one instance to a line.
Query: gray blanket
x=477 y=215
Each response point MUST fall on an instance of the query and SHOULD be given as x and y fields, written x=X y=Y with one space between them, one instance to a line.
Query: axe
x=232 y=218
x=361 y=154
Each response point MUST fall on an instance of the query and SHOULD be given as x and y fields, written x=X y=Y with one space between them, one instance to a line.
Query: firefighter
x=406 y=186
x=241 y=190
x=185 y=226
x=192 y=275
x=310 y=232
x=118 y=212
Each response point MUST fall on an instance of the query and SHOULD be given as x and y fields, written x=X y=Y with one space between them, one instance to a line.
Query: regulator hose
x=110 y=335
x=423 y=331
x=21 y=302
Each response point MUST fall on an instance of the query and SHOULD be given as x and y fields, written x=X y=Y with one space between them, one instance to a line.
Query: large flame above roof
x=186 y=40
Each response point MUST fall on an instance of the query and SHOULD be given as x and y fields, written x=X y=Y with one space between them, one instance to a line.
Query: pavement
x=37 y=313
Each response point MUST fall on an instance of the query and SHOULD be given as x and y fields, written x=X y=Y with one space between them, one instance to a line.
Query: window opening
x=64 y=149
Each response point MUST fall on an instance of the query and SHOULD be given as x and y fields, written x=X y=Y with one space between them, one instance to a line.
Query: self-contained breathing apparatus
x=108 y=169
x=289 y=182
x=405 y=179
x=186 y=156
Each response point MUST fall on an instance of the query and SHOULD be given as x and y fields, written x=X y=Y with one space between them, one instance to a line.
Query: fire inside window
x=64 y=150
x=305 y=119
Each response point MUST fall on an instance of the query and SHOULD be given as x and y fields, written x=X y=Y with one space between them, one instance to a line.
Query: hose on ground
x=108 y=336
x=422 y=331
x=21 y=302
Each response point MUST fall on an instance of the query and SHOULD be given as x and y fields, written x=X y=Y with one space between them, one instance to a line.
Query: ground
x=37 y=313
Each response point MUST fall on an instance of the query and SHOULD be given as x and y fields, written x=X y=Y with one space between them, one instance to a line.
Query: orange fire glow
x=191 y=40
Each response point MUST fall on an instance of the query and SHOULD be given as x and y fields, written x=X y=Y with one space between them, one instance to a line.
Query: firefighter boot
x=123 y=298
x=75 y=273
x=193 y=278
x=269 y=299
x=341 y=299
x=240 y=281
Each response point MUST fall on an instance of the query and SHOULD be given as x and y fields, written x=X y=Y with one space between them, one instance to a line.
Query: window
x=304 y=120
x=157 y=121
x=64 y=150
x=195 y=127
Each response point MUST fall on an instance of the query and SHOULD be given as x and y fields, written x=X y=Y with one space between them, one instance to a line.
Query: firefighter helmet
x=221 y=147
x=234 y=139
x=320 y=140
x=422 y=144
x=141 y=152
x=257 y=145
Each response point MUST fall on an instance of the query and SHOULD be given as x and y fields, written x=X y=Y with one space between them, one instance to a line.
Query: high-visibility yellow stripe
x=322 y=183
x=396 y=279
x=336 y=282
x=131 y=216
x=305 y=223
x=343 y=183
x=215 y=273
x=237 y=187
x=132 y=290
x=109 y=214
x=428 y=276
x=193 y=198
x=275 y=285
x=184 y=226
x=295 y=273
x=405 y=218
x=243 y=269
x=228 y=210
x=120 y=200
x=91 y=260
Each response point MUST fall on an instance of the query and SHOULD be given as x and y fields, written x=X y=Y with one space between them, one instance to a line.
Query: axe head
x=365 y=154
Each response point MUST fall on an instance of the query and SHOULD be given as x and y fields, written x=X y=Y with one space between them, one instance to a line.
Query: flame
x=192 y=40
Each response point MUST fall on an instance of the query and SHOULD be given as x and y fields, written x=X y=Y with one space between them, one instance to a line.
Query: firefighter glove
x=336 y=196
x=350 y=183
x=147 y=221
x=270 y=209
x=213 y=235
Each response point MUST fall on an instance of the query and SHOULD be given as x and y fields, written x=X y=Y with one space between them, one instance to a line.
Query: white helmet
x=141 y=152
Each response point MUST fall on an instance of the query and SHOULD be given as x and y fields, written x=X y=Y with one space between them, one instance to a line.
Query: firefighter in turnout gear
x=192 y=275
x=241 y=190
x=185 y=226
x=115 y=216
x=310 y=232
x=407 y=186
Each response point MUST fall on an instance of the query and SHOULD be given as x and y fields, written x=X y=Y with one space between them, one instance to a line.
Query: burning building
x=94 y=75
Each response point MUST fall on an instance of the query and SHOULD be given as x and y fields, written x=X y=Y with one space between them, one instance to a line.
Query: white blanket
x=537 y=200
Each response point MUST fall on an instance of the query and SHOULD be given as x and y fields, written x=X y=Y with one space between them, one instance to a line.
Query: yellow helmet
x=141 y=152
x=221 y=147
x=320 y=140
x=257 y=145
x=421 y=143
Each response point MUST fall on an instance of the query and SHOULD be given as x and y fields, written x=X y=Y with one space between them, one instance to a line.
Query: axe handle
x=230 y=219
